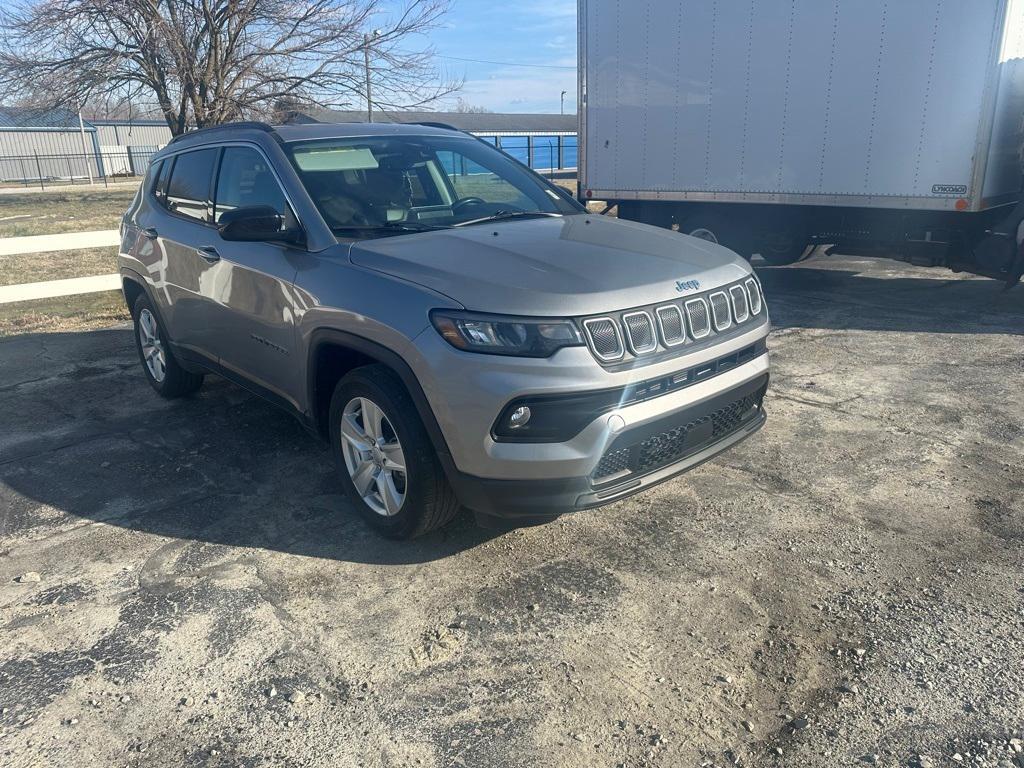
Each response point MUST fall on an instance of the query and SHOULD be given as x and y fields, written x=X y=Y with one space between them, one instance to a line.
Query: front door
x=251 y=283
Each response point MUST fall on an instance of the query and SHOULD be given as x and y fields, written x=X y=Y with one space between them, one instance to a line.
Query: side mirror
x=254 y=223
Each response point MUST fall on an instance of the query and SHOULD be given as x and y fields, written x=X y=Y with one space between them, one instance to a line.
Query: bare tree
x=464 y=107
x=205 y=62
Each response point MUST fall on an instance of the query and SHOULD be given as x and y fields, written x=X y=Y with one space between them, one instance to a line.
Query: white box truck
x=883 y=127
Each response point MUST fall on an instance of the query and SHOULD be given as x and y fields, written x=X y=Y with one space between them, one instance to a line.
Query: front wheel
x=385 y=458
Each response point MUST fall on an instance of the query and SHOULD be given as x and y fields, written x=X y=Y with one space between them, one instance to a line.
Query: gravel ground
x=181 y=584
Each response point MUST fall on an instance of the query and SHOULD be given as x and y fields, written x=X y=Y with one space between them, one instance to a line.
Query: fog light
x=519 y=417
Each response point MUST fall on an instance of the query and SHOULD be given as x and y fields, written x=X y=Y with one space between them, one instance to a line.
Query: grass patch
x=57 y=265
x=51 y=213
x=67 y=313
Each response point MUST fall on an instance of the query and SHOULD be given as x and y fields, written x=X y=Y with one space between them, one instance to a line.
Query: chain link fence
x=105 y=167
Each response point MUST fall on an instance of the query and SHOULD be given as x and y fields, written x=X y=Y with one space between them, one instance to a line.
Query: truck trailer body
x=771 y=125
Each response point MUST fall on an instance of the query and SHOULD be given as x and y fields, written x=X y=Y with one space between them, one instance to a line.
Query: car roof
x=304 y=132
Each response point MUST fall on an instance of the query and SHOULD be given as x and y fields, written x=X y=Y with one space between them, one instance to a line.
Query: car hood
x=573 y=265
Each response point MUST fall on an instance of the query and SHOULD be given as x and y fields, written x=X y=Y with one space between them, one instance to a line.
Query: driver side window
x=470 y=179
x=245 y=179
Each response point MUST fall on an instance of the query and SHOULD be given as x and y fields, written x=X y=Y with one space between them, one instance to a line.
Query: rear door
x=183 y=277
x=250 y=284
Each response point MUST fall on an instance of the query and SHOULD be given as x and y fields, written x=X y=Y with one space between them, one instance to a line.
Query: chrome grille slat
x=640 y=332
x=754 y=292
x=698 y=317
x=671 y=325
x=721 y=313
x=741 y=311
x=605 y=340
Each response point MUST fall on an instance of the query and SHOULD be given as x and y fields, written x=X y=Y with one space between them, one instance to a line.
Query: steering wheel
x=468 y=201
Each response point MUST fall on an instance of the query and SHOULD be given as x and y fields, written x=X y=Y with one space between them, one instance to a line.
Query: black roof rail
x=429 y=124
x=251 y=124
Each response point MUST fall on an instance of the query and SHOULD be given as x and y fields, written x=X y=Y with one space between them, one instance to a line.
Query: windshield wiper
x=499 y=215
x=391 y=226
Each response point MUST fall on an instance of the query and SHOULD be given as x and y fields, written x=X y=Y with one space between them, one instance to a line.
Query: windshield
x=393 y=184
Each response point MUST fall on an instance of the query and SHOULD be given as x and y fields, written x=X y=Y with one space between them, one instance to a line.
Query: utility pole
x=366 y=64
x=85 y=151
x=561 y=109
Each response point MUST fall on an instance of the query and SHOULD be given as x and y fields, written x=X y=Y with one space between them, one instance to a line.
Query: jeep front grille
x=670 y=323
x=653 y=332
x=604 y=337
x=720 y=311
x=640 y=332
x=739 y=303
x=754 y=292
x=698 y=318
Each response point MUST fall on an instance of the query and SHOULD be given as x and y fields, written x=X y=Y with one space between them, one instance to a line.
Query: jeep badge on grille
x=687 y=285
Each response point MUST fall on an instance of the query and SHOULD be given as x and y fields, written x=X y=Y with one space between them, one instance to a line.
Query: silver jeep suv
x=461 y=330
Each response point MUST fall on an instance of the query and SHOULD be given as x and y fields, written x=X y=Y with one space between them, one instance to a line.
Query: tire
x=714 y=227
x=781 y=248
x=427 y=500
x=161 y=369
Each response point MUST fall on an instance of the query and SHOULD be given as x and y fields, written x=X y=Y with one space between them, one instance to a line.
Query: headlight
x=504 y=335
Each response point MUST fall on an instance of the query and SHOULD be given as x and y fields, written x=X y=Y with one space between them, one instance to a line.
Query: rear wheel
x=782 y=247
x=385 y=458
x=159 y=365
x=713 y=227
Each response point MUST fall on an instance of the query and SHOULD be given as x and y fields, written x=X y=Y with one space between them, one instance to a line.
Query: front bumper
x=636 y=459
x=466 y=392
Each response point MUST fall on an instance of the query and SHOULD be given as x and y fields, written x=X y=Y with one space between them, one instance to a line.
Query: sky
x=539 y=33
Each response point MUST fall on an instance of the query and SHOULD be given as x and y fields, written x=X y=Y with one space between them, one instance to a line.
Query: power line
x=506 y=63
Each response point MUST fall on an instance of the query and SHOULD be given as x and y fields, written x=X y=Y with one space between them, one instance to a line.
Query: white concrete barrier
x=68 y=241
x=49 y=289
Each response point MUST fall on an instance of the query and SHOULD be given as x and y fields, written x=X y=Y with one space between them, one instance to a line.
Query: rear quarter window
x=158 y=180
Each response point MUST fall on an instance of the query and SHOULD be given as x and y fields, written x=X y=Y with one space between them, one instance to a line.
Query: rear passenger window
x=245 y=180
x=188 y=191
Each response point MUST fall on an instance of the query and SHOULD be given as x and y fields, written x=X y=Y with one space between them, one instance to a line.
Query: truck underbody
x=987 y=243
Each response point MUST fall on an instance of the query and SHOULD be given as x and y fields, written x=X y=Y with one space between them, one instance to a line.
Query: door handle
x=150 y=233
x=208 y=252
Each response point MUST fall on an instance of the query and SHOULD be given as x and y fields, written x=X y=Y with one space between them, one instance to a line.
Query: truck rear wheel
x=781 y=248
x=716 y=228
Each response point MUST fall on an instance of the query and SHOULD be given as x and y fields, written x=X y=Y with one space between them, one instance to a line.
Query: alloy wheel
x=152 y=347
x=373 y=456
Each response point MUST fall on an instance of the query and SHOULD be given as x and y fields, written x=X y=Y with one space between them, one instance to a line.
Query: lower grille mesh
x=672 y=445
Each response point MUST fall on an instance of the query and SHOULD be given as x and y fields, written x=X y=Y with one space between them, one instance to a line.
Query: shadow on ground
x=82 y=432
x=820 y=294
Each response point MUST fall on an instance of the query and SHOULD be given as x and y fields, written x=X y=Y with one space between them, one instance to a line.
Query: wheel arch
x=132 y=287
x=333 y=353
